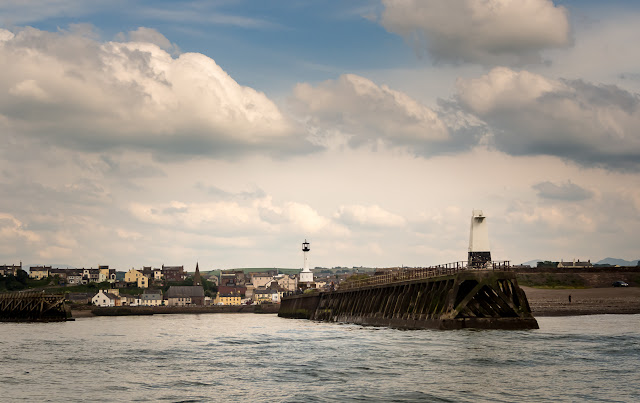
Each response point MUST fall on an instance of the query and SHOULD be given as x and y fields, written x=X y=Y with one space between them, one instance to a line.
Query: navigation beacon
x=306 y=276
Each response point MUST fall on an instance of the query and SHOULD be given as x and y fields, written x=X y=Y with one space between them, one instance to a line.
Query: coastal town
x=171 y=285
x=175 y=286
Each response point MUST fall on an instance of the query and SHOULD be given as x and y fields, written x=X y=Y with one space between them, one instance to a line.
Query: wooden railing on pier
x=422 y=272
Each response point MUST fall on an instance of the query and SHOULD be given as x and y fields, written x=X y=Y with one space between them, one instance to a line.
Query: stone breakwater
x=457 y=299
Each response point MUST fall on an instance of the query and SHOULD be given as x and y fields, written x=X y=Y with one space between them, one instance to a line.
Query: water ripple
x=263 y=358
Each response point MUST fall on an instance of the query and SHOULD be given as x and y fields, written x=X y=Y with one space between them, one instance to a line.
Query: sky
x=143 y=133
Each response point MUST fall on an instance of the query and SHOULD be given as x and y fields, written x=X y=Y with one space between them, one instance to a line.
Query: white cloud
x=481 y=31
x=150 y=35
x=219 y=216
x=12 y=228
x=369 y=216
x=309 y=221
x=132 y=235
x=5 y=35
x=55 y=253
x=504 y=88
x=556 y=218
x=132 y=94
x=604 y=51
x=224 y=217
x=530 y=114
x=29 y=89
x=367 y=112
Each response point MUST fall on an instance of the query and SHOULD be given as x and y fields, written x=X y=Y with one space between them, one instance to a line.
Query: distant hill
x=618 y=262
x=254 y=270
x=610 y=261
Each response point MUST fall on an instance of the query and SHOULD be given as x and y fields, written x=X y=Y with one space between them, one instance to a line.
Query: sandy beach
x=589 y=301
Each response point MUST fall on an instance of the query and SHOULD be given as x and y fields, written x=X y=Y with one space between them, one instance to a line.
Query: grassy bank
x=577 y=280
x=551 y=280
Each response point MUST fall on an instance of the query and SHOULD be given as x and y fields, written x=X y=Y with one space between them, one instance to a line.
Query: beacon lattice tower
x=479 y=251
x=306 y=276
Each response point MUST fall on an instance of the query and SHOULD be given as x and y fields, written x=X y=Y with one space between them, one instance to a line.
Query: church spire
x=197 y=280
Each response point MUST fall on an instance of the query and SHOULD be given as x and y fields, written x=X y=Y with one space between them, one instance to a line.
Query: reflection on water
x=241 y=357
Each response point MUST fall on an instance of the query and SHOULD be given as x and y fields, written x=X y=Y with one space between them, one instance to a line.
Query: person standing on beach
x=569 y=298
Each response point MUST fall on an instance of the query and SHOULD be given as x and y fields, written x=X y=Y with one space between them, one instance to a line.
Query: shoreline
x=93 y=311
x=543 y=302
x=584 y=301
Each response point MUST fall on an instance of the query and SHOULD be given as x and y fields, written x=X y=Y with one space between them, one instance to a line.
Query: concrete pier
x=445 y=297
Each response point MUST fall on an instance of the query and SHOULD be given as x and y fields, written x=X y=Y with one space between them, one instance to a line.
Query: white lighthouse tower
x=306 y=276
x=479 y=252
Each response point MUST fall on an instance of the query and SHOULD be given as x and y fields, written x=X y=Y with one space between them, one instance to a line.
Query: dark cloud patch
x=129 y=170
x=82 y=195
x=174 y=210
x=219 y=194
x=566 y=191
x=593 y=125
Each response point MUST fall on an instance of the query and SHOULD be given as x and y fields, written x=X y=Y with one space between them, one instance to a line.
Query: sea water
x=263 y=358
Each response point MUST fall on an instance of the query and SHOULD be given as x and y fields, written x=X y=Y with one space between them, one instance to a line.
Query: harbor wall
x=302 y=306
x=482 y=299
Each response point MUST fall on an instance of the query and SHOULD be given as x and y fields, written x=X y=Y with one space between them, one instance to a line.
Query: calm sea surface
x=263 y=358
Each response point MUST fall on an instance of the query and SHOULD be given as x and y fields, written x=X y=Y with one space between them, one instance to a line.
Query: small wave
x=244 y=342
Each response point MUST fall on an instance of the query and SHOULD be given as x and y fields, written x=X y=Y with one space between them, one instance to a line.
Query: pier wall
x=303 y=306
x=484 y=299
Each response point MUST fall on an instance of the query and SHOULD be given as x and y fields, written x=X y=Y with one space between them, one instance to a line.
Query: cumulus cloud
x=566 y=191
x=132 y=94
x=368 y=216
x=221 y=216
x=231 y=217
x=489 y=32
x=559 y=218
x=530 y=114
x=368 y=113
x=11 y=228
x=150 y=35
x=29 y=89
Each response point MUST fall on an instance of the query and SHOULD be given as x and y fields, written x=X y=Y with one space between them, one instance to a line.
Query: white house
x=104 y=298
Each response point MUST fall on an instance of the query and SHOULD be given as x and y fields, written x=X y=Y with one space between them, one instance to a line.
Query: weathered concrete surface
x=481 y=299
x=301 y=306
